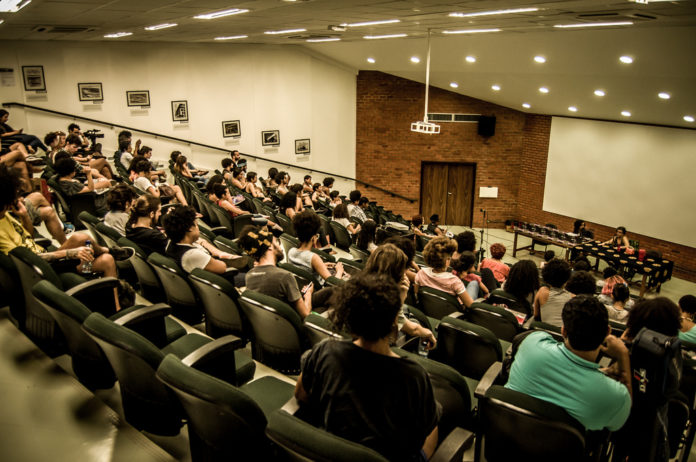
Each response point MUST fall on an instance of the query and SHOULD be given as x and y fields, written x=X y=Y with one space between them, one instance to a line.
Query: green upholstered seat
x=495 y=318
x=177 y=290
x=148 y=282
x=436 y=303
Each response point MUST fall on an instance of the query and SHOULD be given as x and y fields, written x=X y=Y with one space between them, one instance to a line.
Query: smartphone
x=307 y=287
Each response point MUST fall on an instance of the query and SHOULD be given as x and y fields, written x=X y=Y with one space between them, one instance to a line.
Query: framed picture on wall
x=90 y=91
x=138 y=98
x=33 y=78
x=302 y=146
x=270 y=138
x=231 y=128
x=180 y=111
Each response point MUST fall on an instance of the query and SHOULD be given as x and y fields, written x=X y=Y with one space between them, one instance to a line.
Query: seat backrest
x=555 y=331
x=495 y=318
x=220 y=300
x=436 y=303
x=223 y=422
x=288 y=242
x=469 y=348
x=512 y=425
x=318 y=328
x=108 y=234
x=150 y=285
x=222 y=216
x=285 y=223
x=342 y=237
x=90 y=222
x=238 y=223
x=304 y=442
x=178 y=291
x=501 y=297
x=358 y=254
x=302 y=275
x=228 y=245
x=279 y=340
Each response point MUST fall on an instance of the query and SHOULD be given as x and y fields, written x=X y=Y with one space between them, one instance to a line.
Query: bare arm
x=466 y=299
x=621 y=369
x=541 y=297
x=300 y=393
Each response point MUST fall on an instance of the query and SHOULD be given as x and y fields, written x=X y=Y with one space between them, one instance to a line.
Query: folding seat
x=358 y=254
x=285 y=223
x=503 y=298
x=436 y=303
x=421 y=241
x=224 y=422
x=288 y=242
x=74 y=205
x=352 y=266
x=341 y=237
x=149 y=283
x=419 y=317
x=555 y=331
x=177 y=290
x=228 y=245
x=90 y=222
x=11 y=292
x=318 y=328
x=108 y=234
x=325 y=256
x=302 y=275
x=496 y=319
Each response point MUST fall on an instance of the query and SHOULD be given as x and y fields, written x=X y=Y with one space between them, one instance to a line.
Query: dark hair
x=466 y=241
x=316 y=186
x=586 y=322
x=417 y=220
x=548 y=255
x=73 y=139
x=61 y=155
x=307 y=176
x=124 y=134
x=608 y=272
x=577 y=225
x=288 y=201
x=659 y=314
x=404 y=244
x=65 y=166
x=389 y=260
x=366 y=305
x=354 y=196
x=272 y=172
x=620 y=293
x=10 y=184
x=118 y=197
x=178 y=222
x=236 y=172
x=334 y=194
x=143 y=207
x=180 y=161
x=341 y=211
x=50 y=137
x=134 y=162
x=329 y=181
x=434 y=218
x=306 y=224
x=144 y=150
x=174 y=155
x=255 y=241
x=3 y=112
x=250 y=175
x=581 y=265
x=366 y=234
x=71 y=127
x=233 y=152
x=688 y=304
x=465 y=261
x=126 y=294
x=226 y=162
x=219 y=190
x=280 y=176
x=363 y=200
x=581 y=282
x=437 y=250
x=556 y=272
x=122 y=145
x=497 y=250
x=296 y=188
x=143 y=166
x=622 y=229
x=523 y=279
x=212 y=181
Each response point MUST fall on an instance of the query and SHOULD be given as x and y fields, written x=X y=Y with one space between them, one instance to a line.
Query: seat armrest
x=95 y=284
x=528 y=323
x=292 y=406
x=148 y=322
x=456 y=314
x=453 y=447
x=223 y=231
x=97 y=294
x=217 y=358
x=488 y=379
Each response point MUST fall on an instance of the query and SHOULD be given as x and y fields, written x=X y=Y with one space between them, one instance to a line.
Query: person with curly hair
x=466 y=242
x=434 y=226
x=552 y=297
x=438 y=255
x=581 y=282
x=495 y=263
x=341 y=215
x=465 y=266
x=307 y=225
x=119 y=201
x=361 y=390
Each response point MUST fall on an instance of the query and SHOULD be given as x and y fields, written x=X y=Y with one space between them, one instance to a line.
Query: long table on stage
x=540 y=238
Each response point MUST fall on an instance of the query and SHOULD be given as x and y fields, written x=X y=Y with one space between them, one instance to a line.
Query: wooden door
x=448 y=190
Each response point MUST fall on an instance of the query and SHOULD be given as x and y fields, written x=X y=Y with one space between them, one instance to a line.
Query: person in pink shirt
x=495 y=264
x=438 y=255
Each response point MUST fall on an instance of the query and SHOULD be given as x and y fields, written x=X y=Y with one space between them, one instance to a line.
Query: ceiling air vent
x=63 y=29
x=444 y=117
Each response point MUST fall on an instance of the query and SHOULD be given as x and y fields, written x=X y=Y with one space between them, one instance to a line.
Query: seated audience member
x=437 y=255
x=37 y=210
x=610 y=277
x=146 y=152
x=366 y=236
x=659 y=314
x=495 y=263
x=227 y=166
x=221 y=196
x=335 y=199
x=548 y=256
x=465 y=266
x=581 y=264
x=409 y=249
x=620 y=296
x=687 y=305
x=142 y=225
x=341 y=215
x=289 y=204
x=466 y=242
x=235 y=156
x=317 y=194
x=125 y=152
x=307 y=224
x=361 y=390
x=270 y=181
x=181 y=166
x=119 y=201
x=52 y=141
x=251 y=187
x=417 y=225
x=66 y=169
x=143 y=169
x=567 y=374
x=354 y=209
x=7 y=132
x=73 y=144
x=552 y=297
x=327 y=185
x=434 y=226
x=307 y=186
x=620 y=240
x=523 y=282
x=282 y=180
x=581 y=282
x=304 y=199
x=15 y=157
x=238 y=180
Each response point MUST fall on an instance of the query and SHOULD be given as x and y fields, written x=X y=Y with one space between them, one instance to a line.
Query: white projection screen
x=637 y=176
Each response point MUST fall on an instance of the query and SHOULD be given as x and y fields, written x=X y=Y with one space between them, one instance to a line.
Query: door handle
x=449 y=193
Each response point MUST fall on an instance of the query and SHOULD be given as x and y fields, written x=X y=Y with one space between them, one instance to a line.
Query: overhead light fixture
x=526 y=105
x=572 y=109
x=232 y=37
x=543 y=90
x=327 y=39
x=470 y=59
x=688 y=118
x=371 y=60
x=599 y=92
x=118 y=35
x=2 y=21
x=415 y=59
x=161 y=26
x=626 y=113
x=664 y=95
x=286 y=31
x=12 y=6
x=424 y=126
x=540 y=59
x=377 y=37
x=371 y=23
x=495 y=87
x=337 y=28
x=489 y=13
x=626 y=59
x=454 y=85
x=594 y=24
x=221 y=14
x=470 y=31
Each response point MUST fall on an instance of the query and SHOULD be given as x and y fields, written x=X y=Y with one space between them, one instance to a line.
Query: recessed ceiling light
x=488 y=13
x=470 y=59
x=689 y=118
x=454 y=85
x=118 y=35
x=664 y=95
x=594 y=24
x=284 y=31
x=572 y=109
x=626 y=59
x=161 y=26
x=543 y=90
x=526 y=105
x=495 y=87
x=232 y=37
x=12 y=6
x=327 y=39
x=371 y=23
x=371 y=60
x=2 y=21
x=470 y=31
x=415 y=59
x=221 y=14
x=626 y=113
x=388 y=36
x=540 y=59
x=599 y=92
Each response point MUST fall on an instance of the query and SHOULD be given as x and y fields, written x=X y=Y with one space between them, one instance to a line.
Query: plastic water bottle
x=87 y=266
x=422 y=344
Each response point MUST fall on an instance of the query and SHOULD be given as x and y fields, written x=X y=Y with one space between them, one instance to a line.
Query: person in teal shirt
x=687 y=333
x=567 y=375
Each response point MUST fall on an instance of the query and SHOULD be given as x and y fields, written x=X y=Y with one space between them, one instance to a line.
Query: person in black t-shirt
x=361 y=390
x=141 y=227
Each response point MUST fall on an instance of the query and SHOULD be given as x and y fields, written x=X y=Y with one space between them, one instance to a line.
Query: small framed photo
x=180 y=111
x=302 y=146
x=90 y=91
x=231 y=128
x=138 y=98
x=270 y=138
x=34 y=78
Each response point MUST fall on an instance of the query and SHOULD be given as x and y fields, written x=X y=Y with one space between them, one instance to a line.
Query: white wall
x=267 y=88
x=637 y=176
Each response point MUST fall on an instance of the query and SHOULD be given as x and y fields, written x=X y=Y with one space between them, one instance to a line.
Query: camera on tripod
x=92 y=135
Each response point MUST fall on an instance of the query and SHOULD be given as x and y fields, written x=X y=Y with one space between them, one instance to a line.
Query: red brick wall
x=389 y=155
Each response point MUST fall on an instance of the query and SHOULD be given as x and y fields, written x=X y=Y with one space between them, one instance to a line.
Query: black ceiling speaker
x=486 y=126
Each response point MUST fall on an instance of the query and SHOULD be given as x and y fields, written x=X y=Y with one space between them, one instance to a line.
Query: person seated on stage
x=548 y=256
x=552 y=297
x=366 y=237
x=66 y=169
x=434 y=228
x=495 y=263
x=523 y=282
x=282 y=180
x=142 y=225
x=465 y=266
x=620 y=296
x=687 y=332
x=327 y=185
x=620 y=240
x=119 y=201
x=438 y=255
x=6 y=132
x=567 y=374
x=581 y=283
x=307 y=224
x=466 y=242
x=361 y=390
x=417 y=226
x=334 y=199
x=341 y=215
